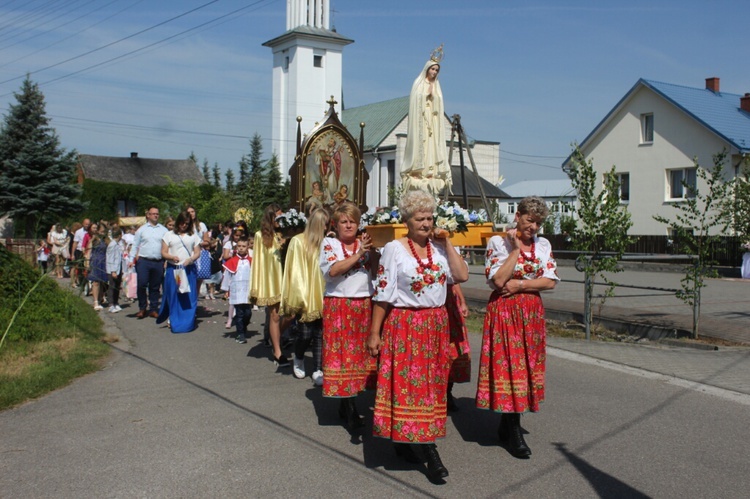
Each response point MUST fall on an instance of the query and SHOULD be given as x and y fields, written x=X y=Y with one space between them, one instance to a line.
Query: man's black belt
x=151 y=259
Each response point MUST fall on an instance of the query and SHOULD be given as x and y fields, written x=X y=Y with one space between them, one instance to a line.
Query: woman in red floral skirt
x=512 y=365
x=346 y=262
x=410 y=333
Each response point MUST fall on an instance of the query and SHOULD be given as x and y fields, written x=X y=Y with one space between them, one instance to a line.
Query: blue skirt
x=179 y=308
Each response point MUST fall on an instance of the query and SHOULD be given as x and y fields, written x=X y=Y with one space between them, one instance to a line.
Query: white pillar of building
x=307 y=71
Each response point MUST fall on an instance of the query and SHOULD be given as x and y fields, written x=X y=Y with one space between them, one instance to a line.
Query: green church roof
x=380 y=119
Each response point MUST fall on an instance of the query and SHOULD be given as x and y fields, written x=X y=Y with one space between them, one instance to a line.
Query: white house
x=653 y=135
x=559 y=195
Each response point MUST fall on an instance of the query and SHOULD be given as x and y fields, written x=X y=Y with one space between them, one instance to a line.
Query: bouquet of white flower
x=291 y=219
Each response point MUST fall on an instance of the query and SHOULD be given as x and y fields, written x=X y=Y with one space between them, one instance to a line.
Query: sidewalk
x=724 y=314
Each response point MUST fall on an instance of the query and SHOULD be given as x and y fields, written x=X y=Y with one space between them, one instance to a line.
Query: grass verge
x=49 y=336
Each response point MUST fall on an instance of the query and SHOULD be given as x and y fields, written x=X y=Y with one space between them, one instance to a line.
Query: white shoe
x=298 y=369
x=111 y=310
x=317 y=378
x=116 y=308
x=98 y=307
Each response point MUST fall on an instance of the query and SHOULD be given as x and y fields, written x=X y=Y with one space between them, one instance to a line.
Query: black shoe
x=406 y=452
x=436 y=470
x=353 y=419
x=241 y=338
x=511 y=435
x=281 y=361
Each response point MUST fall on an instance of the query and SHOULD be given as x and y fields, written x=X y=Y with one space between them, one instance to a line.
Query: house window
x=647 y=128
x=682 y=183
x=624 y=180
x=511 y=208
x=127 y=208
x=318 y=61
x=391 y=175
x=286 y=63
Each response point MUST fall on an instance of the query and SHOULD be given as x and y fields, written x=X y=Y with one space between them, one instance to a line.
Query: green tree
x=36 y=174
x=206 y=170
x=244 y=172
x=229 y=181
x=696 y=216
x=736 y=207
x=216 y=176
x=274 y=185
x=602 y=231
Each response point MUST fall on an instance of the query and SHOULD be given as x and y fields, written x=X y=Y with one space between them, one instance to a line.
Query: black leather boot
x=511 y=435
x=452 y=402
x=406 y=452
x=436 y=471
x=353 y=419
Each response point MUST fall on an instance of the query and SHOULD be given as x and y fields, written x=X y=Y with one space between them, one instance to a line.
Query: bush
x=49 y=312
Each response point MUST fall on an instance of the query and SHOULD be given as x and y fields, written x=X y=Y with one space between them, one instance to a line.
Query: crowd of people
x=389 y=319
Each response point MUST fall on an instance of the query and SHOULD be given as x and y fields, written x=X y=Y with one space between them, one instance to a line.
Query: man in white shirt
x=149 y=264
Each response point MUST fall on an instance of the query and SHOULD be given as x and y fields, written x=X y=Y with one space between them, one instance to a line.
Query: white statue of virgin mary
x=425 y=166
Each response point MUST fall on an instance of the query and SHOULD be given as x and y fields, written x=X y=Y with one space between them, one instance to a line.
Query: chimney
x=133 y=155
x=712 y=84
x=745 y=103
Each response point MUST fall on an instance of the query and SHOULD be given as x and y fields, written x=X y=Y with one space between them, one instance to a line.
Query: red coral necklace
x=420 y=266
x=346 y=253
x=533 y=254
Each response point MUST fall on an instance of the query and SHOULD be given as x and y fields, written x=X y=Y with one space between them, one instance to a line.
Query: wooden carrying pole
x=457 y=129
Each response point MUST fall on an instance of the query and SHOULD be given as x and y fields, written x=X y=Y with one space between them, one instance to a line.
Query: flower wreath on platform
x=291 y=219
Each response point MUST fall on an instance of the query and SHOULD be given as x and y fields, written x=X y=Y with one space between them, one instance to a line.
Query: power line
x=24 y=27
x=110 y=44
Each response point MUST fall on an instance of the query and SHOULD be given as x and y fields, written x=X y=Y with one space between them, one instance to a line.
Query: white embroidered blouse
x=356 y=283
x=541 y=265
x=400 y=282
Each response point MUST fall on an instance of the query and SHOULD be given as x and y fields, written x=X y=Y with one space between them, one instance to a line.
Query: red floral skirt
x=460 y=351
x=348 y=368
x=514 y=344
x=410 y=402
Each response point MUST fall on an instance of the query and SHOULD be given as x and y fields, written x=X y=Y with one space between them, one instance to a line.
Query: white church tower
x=307 y=71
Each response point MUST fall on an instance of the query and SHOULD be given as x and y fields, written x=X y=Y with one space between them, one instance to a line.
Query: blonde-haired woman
x=302 y=293
x=265 y=286
x=347 y=263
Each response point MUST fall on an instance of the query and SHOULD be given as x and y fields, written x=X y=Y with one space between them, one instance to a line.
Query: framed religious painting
x=329 y=168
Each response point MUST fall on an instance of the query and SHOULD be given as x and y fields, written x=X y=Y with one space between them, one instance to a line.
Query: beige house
x=652 y=137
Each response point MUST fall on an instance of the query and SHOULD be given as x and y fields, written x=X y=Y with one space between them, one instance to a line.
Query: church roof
x=138 y=171
x=472 y=187
x=380 y=119
x=311 y=32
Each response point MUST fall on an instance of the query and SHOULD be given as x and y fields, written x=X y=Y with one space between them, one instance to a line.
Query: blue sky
x=123 y=75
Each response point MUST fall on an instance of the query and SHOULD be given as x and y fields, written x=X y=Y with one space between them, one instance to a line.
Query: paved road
x=197 y=415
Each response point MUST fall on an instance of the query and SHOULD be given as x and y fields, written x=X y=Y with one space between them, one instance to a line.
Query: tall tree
x=244 y=172
x=216 y=174
x=274 y=185
x=229 y=176
x=206 y=170
x=37 y=175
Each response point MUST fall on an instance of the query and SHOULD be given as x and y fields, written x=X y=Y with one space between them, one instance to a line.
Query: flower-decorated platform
x=475 y=235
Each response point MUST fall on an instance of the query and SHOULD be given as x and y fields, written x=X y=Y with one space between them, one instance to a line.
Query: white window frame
x=672 y=183
x=511 y=210
x=647 y=128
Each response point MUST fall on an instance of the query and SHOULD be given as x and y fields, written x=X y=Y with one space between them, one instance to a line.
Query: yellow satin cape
x=303 y=286
x=265 y=286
